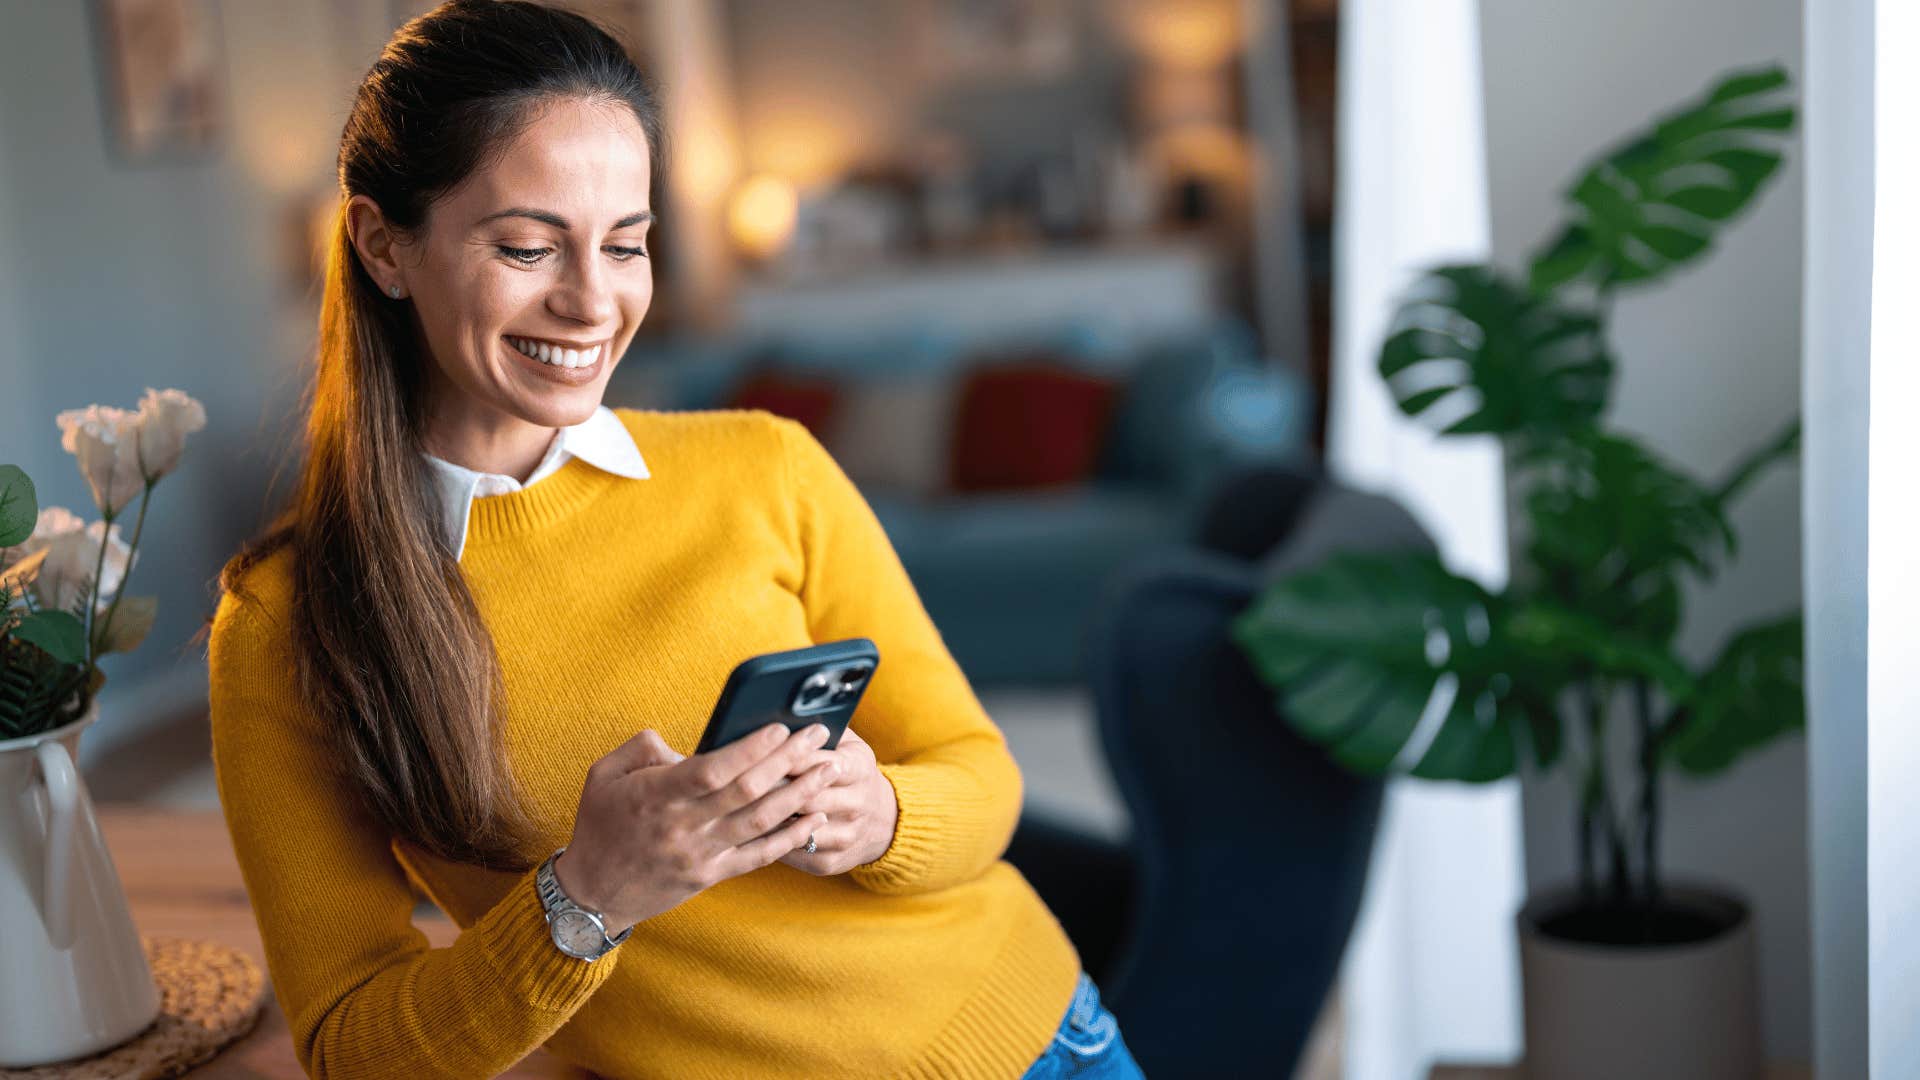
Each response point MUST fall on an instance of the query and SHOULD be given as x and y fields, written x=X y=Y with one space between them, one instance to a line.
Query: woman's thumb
x=644 y=749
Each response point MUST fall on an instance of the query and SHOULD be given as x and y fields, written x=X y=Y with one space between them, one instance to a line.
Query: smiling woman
x=543 y=261
x=476 y=655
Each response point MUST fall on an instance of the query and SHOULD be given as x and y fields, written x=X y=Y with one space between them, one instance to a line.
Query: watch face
x=576 y=934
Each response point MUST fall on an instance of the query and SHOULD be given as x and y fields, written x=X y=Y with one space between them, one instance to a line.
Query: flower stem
x=133 y=545
x=93 y=587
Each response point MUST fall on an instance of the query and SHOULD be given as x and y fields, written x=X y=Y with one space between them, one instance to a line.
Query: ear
x=375 y=244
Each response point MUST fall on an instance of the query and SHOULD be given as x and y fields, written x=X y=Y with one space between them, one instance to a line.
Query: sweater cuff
x=941 y=807
x=521 y=950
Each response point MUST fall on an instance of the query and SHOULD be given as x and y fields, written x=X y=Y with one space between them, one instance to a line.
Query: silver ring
x=809 y=843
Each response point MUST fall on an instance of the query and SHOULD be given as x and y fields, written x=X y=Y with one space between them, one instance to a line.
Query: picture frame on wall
x=163 y=81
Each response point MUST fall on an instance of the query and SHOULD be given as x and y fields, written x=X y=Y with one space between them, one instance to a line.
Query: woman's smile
x=573 y=366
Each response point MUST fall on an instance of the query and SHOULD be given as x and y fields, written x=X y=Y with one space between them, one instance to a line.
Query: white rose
x=67 y=572
x=167 y=417
x=53 y=521
x=106 y=442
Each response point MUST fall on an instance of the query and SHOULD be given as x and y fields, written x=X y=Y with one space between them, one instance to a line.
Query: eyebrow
x=548 y=217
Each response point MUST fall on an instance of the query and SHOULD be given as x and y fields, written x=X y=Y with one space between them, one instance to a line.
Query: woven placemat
x=210 y=995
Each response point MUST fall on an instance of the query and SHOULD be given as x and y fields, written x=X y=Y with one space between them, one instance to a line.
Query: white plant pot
x=73 y=977
x=1686 y=1011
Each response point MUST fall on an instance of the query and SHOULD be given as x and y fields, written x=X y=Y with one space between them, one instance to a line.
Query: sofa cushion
x=895 y=434
x=1029 y=424
x=810 y=399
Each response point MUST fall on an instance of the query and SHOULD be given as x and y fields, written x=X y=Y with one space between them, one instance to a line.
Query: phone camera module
x=813 y=690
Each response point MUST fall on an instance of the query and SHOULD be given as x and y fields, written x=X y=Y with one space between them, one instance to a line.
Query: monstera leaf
x=1476 y=353
x=1611 y=525
x=19 y=510
x=1572 y=644
x=1752 y=693
x=1656 y=202
x=1360 y=648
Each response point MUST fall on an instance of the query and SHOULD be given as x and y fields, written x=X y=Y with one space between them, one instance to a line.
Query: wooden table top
x=182 y=880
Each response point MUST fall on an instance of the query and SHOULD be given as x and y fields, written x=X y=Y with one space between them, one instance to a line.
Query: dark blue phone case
x=763 y=689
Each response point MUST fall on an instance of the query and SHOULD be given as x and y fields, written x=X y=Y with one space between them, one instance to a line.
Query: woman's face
x=541 y=251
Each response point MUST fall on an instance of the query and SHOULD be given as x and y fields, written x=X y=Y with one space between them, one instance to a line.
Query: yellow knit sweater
x=617 y=605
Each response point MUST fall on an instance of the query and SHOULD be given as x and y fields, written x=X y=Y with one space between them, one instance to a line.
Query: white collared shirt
x=600 y=440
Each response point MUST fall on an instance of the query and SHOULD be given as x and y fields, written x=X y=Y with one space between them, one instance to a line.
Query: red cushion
x=1029 y=424
x=810 y=399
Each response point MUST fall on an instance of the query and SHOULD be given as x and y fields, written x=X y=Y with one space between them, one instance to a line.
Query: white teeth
x=548 y=353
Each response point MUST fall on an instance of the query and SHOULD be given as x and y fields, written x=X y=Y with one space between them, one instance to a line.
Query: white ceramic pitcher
x=73 y=977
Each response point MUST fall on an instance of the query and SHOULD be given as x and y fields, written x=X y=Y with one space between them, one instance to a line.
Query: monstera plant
x=1394 y=663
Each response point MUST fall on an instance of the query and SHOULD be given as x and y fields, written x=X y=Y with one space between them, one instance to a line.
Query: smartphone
x=818 y=684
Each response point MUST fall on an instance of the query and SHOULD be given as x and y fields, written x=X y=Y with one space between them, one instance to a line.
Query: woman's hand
x=861 y=812
x=655 y=827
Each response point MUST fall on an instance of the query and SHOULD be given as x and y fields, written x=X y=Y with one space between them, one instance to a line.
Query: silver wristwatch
x=577 y=931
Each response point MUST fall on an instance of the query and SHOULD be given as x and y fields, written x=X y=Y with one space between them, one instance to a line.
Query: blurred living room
x=1398 y=476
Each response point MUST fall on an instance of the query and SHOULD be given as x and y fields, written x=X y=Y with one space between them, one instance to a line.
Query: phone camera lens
x=813 y=689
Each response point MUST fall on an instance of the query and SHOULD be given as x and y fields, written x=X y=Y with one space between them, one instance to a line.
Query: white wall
x=1709 y=365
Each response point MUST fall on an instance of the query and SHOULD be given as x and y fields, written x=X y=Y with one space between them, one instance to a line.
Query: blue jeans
x=1088 y=1044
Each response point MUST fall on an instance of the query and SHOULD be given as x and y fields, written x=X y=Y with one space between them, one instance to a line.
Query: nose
x=584 y=294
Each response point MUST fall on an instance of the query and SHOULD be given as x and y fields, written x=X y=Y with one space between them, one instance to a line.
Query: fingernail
x=819 y=732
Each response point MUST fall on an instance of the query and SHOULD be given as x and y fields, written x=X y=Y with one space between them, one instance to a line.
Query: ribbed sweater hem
x=1010 y=1020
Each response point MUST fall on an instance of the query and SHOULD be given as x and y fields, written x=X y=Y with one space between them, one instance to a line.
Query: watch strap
x=555 y=900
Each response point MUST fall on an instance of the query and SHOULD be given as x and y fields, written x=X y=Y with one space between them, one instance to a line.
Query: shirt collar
x=601 y=440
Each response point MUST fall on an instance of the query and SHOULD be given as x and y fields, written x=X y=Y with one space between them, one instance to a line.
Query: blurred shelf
x=1128 y=290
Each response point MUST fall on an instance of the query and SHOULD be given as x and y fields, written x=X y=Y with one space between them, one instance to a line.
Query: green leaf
x=1611 y=526
x=131 y=622
x=1564 y=260
x=1657 y=201
x=1754 y=692
x=57 y=633
x=1578 y=644
x=36 y=692
x=19 y=510
x=1473 y=352
x=1359 y=648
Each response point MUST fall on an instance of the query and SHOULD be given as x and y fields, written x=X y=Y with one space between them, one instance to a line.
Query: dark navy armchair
x=1216 y=932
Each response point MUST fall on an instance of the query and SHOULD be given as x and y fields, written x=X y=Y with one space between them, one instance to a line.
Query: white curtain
x=1432 y=971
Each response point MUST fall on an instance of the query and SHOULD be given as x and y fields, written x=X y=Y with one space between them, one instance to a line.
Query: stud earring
x=393 y=291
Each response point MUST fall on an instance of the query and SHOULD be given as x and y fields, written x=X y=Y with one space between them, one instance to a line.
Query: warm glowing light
x=1190 y=34
x=802 y=143
x=762 y=214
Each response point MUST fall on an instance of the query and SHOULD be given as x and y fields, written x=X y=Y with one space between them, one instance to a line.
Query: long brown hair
x=391 y=650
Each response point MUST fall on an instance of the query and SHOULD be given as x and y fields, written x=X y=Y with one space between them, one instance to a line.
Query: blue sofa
x=1011 y=578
